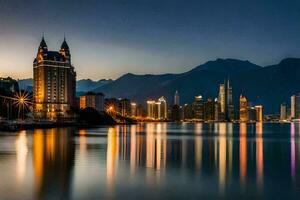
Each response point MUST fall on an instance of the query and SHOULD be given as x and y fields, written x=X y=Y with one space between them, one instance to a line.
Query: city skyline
x=155 y=99
x=113 y=38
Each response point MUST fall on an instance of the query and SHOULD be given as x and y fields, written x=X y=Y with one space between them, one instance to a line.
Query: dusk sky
x=113 y=37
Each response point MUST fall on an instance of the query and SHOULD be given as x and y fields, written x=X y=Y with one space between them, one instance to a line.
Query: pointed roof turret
x=43 y=44
x=64 y=45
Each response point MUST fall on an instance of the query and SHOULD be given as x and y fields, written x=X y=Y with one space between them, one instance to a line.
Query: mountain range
x=268 y=85
x=82 y=86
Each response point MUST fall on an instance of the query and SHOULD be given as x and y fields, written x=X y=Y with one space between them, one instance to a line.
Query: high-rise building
x=124 y=107
x=140 y=111
x=198 y=108
x=288 y=113
x=137 y=110
x=54 y=82
x=209 y=110
x=283 y=112
x=176 y=98
x=222 y=102
x=187 y=112
x=243 y=109
x=92 y=100
x=133 y=107
x=226 y=102
x=229 y=108
x=216 y=110
x=251 y=114
x=175 y=113
x=259 y=113
x=150 y=109
x=295 y=106
x=163 y=109
x=157 y=109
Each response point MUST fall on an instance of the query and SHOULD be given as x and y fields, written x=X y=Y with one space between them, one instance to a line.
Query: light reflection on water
x=152 y=160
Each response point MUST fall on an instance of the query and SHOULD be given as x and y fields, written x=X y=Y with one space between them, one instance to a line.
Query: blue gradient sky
x=113 y=37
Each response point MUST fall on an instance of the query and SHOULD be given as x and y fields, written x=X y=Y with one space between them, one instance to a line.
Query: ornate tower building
x=54 y=82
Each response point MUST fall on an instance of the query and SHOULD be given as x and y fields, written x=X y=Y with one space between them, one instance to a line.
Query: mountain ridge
x=82 y=85
x=269 y=85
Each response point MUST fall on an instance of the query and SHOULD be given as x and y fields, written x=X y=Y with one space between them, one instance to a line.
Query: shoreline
x=18 y=126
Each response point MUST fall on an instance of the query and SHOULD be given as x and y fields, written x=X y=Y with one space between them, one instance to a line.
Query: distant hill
x=85 y=85
x=82 y=86
x=270 y=85
x=25 y=84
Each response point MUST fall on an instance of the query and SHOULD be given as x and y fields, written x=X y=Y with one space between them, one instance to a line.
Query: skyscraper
x=229 y=108
x=54 y=82
x=163 y=110
x=283 y=112
x=222 y=102
x=157 y=109
x=259 y=113
x=150 y=109
x=175 y=113
x=198 y=108
x=124 y=107
x=293 y=106
x=176 y=98
x=216 y=110
x=187 y=112
x=243 y=112
x=209 y=110
x=251 y=114
x=133 y=107
x=226 y=102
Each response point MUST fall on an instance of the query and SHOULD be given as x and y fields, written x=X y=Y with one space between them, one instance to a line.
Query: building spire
x=176 y=98
x=43 y=44
x=64 y=45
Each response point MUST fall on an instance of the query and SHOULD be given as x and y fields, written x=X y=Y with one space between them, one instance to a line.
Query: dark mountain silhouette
x=82 y=86
x=227 y=66
x=270 y=85
x=85 y=85
x=25 y=84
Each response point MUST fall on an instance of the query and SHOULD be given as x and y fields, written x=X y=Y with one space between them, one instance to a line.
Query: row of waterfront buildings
x=54 y=95
x=212 y=109
x=292 y=112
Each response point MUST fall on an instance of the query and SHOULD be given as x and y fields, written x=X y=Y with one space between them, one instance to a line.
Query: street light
x=21 y=101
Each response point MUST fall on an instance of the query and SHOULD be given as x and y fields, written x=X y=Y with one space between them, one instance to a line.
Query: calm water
x=153 y=161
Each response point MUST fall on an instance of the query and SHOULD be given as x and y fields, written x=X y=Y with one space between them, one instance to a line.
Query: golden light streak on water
x=222 y=162
x=38 y=157
x=133 y=153
x=22 y=151
x=50 y=143
x=150 y=145
x=243 y=153
x=259 y=162
x=82 y=142
x=112 y=158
